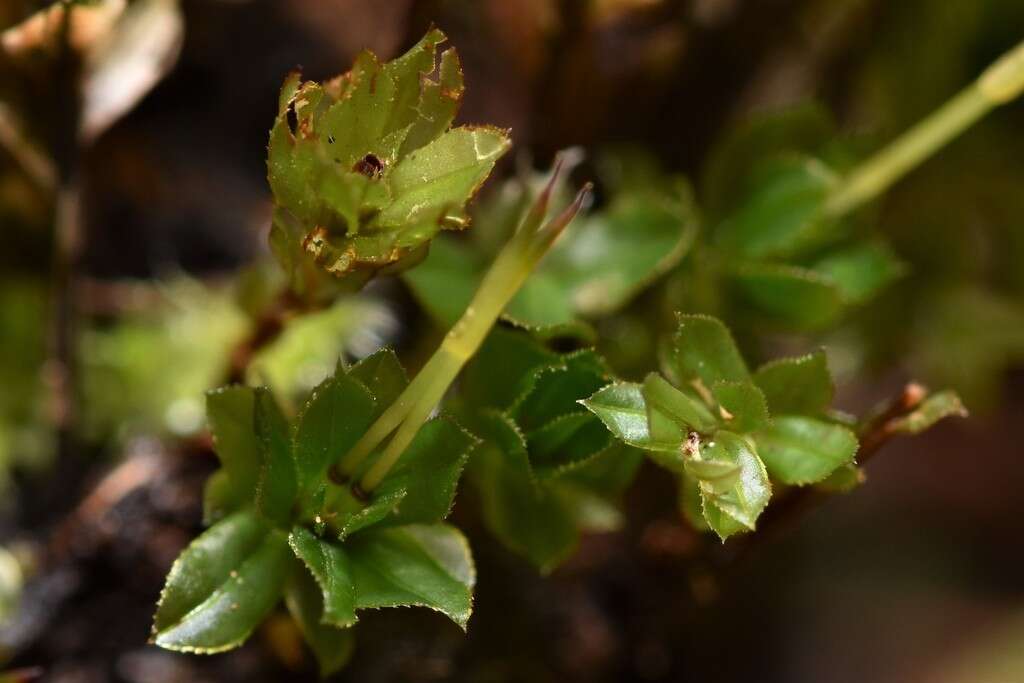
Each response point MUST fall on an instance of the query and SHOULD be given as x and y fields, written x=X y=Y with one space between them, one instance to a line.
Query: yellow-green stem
x=407 y=414
x=1002 y=82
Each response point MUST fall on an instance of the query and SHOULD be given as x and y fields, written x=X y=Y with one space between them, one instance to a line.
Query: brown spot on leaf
x=370 y=166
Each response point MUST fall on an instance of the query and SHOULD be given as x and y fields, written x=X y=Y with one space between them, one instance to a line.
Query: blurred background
x=134 y=256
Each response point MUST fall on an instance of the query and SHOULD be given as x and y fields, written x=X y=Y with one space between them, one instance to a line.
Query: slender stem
x=407 y=414
x=67 y=246
x=502 y=281
x=1002 y=82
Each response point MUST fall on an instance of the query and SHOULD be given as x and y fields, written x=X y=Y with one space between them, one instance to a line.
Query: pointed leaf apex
x=553 y=228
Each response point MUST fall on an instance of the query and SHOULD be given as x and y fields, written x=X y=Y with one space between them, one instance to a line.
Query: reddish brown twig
x=791 y=504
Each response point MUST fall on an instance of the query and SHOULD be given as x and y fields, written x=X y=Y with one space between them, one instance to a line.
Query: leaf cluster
x=785 y=259
x=726 y=432
x=282 y=528
x=366 y=168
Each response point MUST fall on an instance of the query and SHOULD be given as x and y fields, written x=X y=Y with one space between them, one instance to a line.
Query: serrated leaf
x=844 y=479
x=429 y=472
x=788 y=296
x=230 y=411
x=438 y=98
x=717 y=475
x=414 y=565
x=934 y=408
x=347 y=515
x=277 y=487
x=558 y=389
x=525 y=515
x=703 y=349
x=608 y=473
x=622 y=409
x=337 y=413
x=738 y=508
x=566 y=443
x=505 y=368
x=329 y=566
x=802 y=450
x=861 y=271
x=741 y=405
x=332 y=646
x=382 y=372
x=368 y=166
x=678 y=406
x=444 y=173
x=690 y=504
x=222 y=586
x=782 y=214
x=797 y=386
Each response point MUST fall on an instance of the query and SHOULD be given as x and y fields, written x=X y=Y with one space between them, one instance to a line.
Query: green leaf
x=788 y=296
x=622 y=409
x=566 y=443
x=782 y=215
x=797 y=386
x=716 y=475
x=367 y=166
x=603 y=263
x=844 y=479
x=332 y=646
x=690 y=503
x=442 y=174
x=347 y=514
x=337 y=413
x=861 y=271
x=277 y=487
x=742 y=406
x=526 y=516
x=801 y=450
x=429 y=472
x=682 y=409
x=609 y=473
x=594 y=270
x=222 y=586
x=438 y=99
x=218 y=497
x=737 y=508
x=803 y=127
x=383 y=372
x=934 y=408
x=329 y=565
x=230 y=411
x=414 y=565
x=558 y=389
x=505 y=368
x=446 y=280
x=703 y=349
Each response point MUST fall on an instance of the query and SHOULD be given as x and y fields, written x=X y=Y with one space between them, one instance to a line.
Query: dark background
x=916 y=576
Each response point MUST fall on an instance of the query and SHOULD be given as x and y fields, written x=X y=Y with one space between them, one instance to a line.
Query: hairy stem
x=1002 y=82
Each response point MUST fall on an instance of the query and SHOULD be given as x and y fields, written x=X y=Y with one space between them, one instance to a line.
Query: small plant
x=341 y=506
